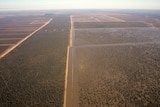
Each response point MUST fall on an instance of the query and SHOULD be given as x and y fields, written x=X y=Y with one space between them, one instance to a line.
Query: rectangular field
x=13 y=27
x=109 y=24
x=115 y=35
x=118 y=17
x=14 y=35
x=129 y=17
x=9 y=41
x=96 y=18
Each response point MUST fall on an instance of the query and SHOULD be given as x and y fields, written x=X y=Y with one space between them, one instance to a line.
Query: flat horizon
x=74 y=9
x=75 y=4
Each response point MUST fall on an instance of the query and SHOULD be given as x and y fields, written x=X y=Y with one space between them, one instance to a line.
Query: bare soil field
x=154 y=21
x=96 y=18
x=115 y=35
x=120 y=76
x=109 y=24
x=117 y=17
x=129 y=17
x=8 y=41
x=13 y=36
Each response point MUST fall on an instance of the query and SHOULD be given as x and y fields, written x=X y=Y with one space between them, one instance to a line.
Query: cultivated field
x=3 y=48
x=80 y=60
x=15 y=28
x=153 y=21
x=96 y=18
x=149 y=20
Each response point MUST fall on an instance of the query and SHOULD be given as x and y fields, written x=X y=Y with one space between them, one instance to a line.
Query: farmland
x=79 y=58
x=113 y=62
x=116 y=18
x=32 y=75
x=113 y=35
x=4 y=47
x=96 y=18
x=15 y=28
x=109 y=24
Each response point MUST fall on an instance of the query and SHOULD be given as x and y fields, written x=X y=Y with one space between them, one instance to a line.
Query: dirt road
x=70 y=99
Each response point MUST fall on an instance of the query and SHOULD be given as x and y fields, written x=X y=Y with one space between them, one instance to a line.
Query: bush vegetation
x=120 y=76
x=32 y=75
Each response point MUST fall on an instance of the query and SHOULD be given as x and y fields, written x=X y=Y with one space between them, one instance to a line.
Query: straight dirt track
x=70 y=99
x=21 y=41
x=67 y=74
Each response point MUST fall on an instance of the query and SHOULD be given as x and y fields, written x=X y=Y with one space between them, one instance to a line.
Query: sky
x=78 y=4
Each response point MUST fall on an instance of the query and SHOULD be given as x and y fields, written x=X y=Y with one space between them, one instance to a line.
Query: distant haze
x=78 y=4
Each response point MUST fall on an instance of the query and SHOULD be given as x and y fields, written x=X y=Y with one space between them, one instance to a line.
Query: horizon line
x=2 y=9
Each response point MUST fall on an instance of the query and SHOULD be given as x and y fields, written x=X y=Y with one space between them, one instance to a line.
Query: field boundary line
x=21 y=41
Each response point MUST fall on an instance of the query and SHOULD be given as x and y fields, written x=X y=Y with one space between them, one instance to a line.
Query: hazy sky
x=70 y=4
